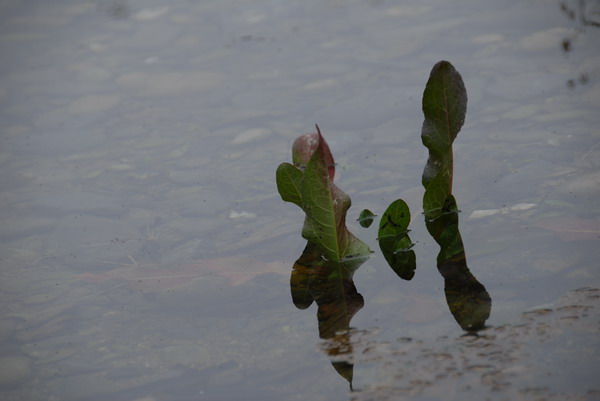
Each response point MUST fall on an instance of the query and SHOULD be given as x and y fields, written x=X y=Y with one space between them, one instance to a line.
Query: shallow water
x=146 y=254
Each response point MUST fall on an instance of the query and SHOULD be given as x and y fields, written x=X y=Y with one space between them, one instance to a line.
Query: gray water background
x=145 y=135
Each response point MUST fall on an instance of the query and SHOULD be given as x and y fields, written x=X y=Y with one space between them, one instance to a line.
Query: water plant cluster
x=323 y=273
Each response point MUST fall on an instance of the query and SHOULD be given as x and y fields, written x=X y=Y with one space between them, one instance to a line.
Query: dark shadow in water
x=468 y=300
x=331 y=286
x=587 y=15
x=117 y=9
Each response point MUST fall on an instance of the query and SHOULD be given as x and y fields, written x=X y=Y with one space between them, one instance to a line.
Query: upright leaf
x=305 y=146
x=444 y=107
x=309 y=184
x=326 y=206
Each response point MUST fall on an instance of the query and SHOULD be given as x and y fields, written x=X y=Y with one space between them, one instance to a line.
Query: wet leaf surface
x=394 y=242
x=444 y=107
x=365 y=218
x=309 y=184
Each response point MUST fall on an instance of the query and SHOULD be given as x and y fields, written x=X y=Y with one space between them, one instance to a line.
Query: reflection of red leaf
x=571 y=229
x=237 y=271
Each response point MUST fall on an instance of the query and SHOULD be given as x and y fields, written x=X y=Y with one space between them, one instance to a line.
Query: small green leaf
x=365 y=218
x=394 y=241
x=289 y=182
x=395 y=219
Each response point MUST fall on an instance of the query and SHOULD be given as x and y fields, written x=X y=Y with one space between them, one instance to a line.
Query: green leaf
x=436 y=194
x=309 y=184
x=326 y=206
x=445 y=232
x=365 y=218
x=444 y=107
x=394 y=241
x=289 y=183
x=395 y=219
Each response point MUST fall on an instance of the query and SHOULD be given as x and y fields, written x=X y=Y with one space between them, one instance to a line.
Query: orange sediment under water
x=237 y=271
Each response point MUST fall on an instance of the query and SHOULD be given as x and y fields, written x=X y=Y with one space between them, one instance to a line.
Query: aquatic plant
x=324 y=272
x=308 y=183
x=445 y=107
x=394 y=242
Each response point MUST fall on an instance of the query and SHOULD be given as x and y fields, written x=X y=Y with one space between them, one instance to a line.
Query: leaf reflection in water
x=330 y=284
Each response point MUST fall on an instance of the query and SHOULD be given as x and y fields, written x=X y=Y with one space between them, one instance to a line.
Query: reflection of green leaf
x=394 y=241
x=324 y=203
x=365 y=218
x=468 y=300
x=330 y=285
x=444 y=107
x=445 y=232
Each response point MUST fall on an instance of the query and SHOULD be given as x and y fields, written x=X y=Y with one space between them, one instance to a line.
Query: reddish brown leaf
x=304 y=147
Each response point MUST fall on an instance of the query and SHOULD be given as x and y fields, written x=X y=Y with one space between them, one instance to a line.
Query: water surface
x=146 y=253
